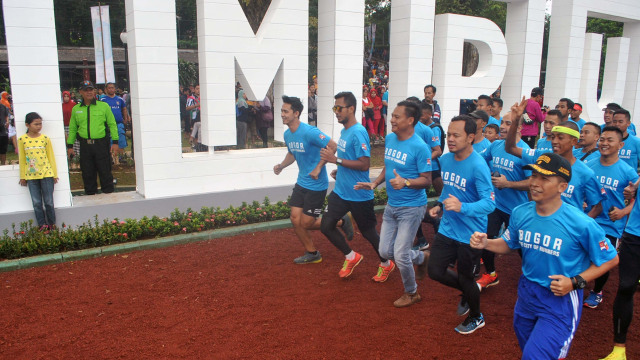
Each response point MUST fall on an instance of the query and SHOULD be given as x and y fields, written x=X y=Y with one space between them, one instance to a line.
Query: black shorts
x=362 y=211
x=310 y=201
x=4 y=142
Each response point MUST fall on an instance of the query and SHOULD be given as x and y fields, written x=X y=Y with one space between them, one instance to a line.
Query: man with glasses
x=353 y=159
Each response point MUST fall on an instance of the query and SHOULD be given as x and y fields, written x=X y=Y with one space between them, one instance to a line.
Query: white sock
x=351 y=255
x=385 y=264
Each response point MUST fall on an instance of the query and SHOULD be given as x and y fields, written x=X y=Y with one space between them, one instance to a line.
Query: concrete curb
x=48 y=259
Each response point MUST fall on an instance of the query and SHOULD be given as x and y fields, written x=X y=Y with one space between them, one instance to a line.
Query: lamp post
x=123 y=38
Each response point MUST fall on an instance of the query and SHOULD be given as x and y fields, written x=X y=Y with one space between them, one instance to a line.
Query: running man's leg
x=629 y=270
x=336 y=209
x=444 y=251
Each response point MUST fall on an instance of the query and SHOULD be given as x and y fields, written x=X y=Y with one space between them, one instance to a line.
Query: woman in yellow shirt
x=38 y=170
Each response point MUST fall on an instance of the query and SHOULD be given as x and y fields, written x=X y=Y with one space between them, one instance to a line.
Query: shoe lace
x=380 y=271
x=345 y=265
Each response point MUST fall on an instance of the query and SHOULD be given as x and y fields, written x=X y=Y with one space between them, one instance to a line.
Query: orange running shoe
x=383 y=272
x=487 y=280
x=347 y=267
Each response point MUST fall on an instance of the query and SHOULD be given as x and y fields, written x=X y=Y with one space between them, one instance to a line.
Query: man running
x=407 y=166
x=558 y=258
x=353 y=160
x=303 y=144
x=465 y=202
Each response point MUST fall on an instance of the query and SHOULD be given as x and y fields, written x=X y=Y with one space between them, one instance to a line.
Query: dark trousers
x=96 y=161
x=446 y=251
x=495 y=221
x=530 y=140
x=363 y=214
x=629 y=270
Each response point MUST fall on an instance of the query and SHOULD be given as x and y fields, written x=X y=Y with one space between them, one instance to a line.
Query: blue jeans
x=42 y=193
x=399 y=226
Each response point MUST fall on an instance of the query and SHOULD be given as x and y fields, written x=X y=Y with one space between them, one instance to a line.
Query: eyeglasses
x=338 y=108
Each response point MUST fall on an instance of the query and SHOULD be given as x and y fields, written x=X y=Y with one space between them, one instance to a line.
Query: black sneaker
x=463 y=307
x=470 y=324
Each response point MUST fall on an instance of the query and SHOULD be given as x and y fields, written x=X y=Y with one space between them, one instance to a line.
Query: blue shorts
x=545 y=324
x=122 y=138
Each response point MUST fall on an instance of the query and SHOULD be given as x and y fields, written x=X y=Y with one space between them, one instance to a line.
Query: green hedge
x=28 y=240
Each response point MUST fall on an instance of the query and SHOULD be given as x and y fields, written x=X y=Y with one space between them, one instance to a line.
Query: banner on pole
x=102 y=44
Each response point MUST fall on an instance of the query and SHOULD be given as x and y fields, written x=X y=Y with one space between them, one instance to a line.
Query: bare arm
x=371 y=185
x=479 y=241
x=595 y=210
x=502 y=183
x=562 y=285
x=288 y=160
x=435 y=152
x=510 y=142
x=331 y=146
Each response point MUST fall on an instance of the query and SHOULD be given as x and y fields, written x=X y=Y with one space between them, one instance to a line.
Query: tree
x=608 y=28
x=73 y=21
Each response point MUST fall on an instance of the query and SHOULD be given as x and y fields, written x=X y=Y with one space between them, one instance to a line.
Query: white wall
x=35 y=86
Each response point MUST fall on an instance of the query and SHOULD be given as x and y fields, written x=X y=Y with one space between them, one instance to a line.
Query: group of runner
x=562 y=215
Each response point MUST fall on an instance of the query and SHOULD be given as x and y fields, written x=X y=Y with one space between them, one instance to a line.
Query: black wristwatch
x=578 y=282
x=338 y=161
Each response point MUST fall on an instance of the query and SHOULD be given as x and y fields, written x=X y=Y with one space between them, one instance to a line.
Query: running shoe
x=347 y=226
x=421 y=245
x=407 y=300
x=593 y=300
x=463 y=307
x=618 y=353
x=470 y=324
x=349 y=265
x=308 y=258
x=487 y=280
x=383 y=272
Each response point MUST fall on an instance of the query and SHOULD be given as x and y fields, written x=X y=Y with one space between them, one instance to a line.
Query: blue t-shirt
x=511 y=167
x=580 y=123
x=470 y=181
x=385 y=97
x=633 y=225
x=353 y=144
x=577 y=152
x=630 y=152
x=426 y=134
x=632 y=129
x=409 y=158
x=563 y=243
x=613 y=179
x=544 y=144
x=479 y=147
x=305 y=145
x=117 y=104
x=437 y=135
x=583 y=186
x=493 y=120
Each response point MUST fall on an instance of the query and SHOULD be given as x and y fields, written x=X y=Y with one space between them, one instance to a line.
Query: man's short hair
x=430 y=86
x=495 y=128
x=411 y=109
x=425 y=106
x=569 y=102
x=414 y=99
x=296 y=104
x=537 y=91
x=470 y=126
x=348 y=98
x=612 y=106
x=624 y=112
x=499 y=101
x=595 y=126
x=486 y=97
x=614 y=129
x=570 y=125
x=554 y=112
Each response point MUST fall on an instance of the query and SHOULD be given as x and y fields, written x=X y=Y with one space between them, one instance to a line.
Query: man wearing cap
x=559 y=257
x=88 y=122
x=575 y=115
x=583 y=186
x=531 y=127
x=480 y=142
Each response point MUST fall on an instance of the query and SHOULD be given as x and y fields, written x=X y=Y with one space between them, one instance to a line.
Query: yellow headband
x=566 y=130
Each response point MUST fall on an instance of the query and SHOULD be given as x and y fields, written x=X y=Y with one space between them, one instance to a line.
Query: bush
x=29 y=240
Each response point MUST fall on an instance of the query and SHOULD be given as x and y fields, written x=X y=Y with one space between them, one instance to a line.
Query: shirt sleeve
x=22 y=158
x=424 y=160
x=73 y=128
x=361 y=145
x=317 y=137
x=593 y=193
x=510 y=235
x=596 y=243
x=486 y=204
x=529 y=156
x=51 y=157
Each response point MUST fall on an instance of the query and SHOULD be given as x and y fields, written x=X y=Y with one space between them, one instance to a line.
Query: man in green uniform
x=89 y=121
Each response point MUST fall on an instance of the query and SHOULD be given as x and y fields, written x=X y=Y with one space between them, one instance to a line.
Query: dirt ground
x=243 y=298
